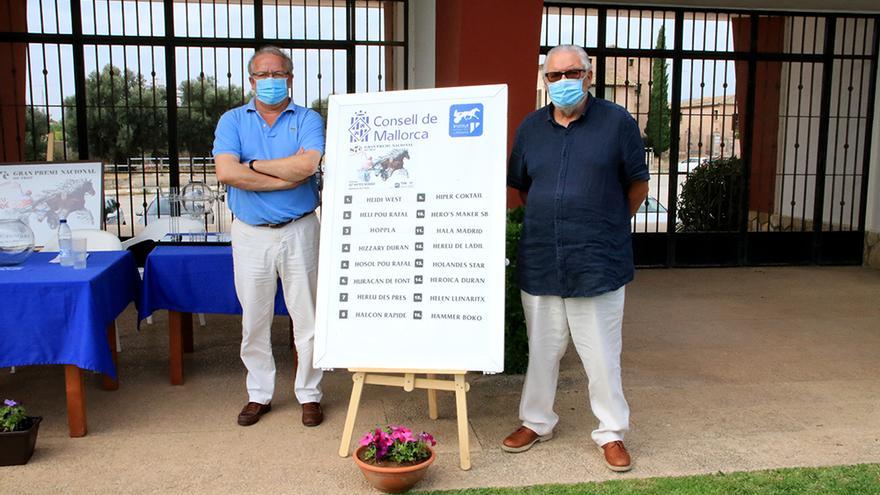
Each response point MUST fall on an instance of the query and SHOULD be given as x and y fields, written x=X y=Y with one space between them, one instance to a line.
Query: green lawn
x=862 y=479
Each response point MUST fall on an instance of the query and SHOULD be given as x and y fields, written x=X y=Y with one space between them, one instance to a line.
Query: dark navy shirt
x=576 y=239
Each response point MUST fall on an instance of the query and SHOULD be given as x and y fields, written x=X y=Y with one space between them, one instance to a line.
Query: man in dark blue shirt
x=579 y=164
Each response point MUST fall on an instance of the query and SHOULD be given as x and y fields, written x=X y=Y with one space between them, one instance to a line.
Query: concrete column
x=491 y=42
x=422 y=43
x=762 y=182
x=872 y=218
x=12 y=81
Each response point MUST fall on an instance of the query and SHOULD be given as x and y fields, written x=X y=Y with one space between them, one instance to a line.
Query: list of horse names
x=411 y=271
x=412 y=256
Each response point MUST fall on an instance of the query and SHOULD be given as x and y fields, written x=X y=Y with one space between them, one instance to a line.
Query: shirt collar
x=252 y=106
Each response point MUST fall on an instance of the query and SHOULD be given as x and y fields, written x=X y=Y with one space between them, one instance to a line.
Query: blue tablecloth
x=193 y=279
x=57 y=315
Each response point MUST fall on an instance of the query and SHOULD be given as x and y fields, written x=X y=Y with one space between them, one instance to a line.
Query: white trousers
x=595 y=326
x=260 y=256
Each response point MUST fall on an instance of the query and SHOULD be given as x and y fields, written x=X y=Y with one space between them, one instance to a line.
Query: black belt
x=282 y=224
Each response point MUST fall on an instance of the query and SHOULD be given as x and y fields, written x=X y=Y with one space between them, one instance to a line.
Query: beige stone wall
x=710 y=122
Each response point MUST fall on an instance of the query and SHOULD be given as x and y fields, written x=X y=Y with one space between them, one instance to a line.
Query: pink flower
x=382 y=441
x=427 y=438
x=396 y=442
x=401 y=434
x=367 y=439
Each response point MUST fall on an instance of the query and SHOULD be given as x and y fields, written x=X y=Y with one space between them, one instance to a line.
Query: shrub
x=711 y=198
x=516 y=344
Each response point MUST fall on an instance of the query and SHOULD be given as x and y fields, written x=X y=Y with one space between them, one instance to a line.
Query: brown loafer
x=522 y=440
x=313 y=415
x=616 y=456
x=252 y=412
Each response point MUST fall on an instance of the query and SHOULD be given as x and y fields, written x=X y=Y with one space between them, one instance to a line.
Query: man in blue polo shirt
x=579 y=164
x=267 y=152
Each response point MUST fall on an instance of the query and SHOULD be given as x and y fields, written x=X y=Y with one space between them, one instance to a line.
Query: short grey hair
x=585 y=59
x=271 y=50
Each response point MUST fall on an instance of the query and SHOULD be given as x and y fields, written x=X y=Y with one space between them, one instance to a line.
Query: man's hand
x=229 y=171
x=637 y=193
x=294 y=168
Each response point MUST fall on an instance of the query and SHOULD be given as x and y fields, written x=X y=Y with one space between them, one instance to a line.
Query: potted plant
x=392 y=459
x=18 y=434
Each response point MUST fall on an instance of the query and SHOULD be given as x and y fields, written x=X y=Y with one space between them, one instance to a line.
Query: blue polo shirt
x=243 y=132
x=576 y=239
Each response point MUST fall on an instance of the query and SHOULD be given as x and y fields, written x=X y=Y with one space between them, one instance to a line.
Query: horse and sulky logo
x=466 y=120
x=359 y=130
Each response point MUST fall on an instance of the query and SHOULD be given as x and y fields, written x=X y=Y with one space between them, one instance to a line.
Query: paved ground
x=724 y=369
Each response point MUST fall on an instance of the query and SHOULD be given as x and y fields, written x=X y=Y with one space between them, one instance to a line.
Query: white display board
x=40 y=194
x=413 y=231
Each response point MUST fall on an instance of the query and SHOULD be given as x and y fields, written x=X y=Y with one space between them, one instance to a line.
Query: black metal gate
x=140 y=84
x=757 y=126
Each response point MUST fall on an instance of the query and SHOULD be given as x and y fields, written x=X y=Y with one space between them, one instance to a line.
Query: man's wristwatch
x=251 y=164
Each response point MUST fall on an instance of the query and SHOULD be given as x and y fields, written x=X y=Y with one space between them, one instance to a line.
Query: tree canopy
x=657 y=127
x=127 y=115
x=202 y=103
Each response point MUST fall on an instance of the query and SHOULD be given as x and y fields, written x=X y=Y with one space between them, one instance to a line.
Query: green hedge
x=711 y=198
x=516 y=344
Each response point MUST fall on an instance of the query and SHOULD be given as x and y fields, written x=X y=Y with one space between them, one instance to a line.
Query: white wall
x=799 y=125
x=873 y=211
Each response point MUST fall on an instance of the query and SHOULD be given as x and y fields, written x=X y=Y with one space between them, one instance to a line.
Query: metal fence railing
x=760 y=125
x=140 y=85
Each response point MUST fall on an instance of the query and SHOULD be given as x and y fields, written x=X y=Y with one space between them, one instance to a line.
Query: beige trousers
x=594 y=324
x=260 y=256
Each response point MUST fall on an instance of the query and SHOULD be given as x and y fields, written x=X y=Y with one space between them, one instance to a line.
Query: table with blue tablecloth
x=186 y=280
x=58 y=315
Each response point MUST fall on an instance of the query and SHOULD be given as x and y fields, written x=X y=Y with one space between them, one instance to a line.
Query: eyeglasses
x=278 y=74
x=569 y=74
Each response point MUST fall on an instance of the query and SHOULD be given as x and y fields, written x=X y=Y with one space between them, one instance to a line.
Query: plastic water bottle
x=65 y=243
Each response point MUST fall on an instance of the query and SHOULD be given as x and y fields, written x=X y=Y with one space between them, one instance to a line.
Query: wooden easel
x=409 y=382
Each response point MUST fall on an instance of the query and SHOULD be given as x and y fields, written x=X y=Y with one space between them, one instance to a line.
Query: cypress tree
x=657 y=126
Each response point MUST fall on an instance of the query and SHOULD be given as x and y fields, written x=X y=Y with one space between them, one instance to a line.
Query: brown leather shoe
x=616 y=456
x=522 y=440
x=313 y=415
x=252 y=412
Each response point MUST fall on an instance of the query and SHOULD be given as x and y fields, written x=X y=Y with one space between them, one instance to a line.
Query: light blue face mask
x=271 y=91
x=566 y=92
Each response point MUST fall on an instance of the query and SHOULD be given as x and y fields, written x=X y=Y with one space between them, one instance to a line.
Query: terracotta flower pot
x=393 y=479
x=17 y=447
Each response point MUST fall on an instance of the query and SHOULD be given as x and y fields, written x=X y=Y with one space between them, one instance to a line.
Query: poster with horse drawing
x=40 y=194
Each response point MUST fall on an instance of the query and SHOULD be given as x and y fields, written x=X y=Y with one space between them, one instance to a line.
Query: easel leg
x=432 y=400
x=461 y=413
x=76 y=401
x=108 y=383
x=350 y=418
